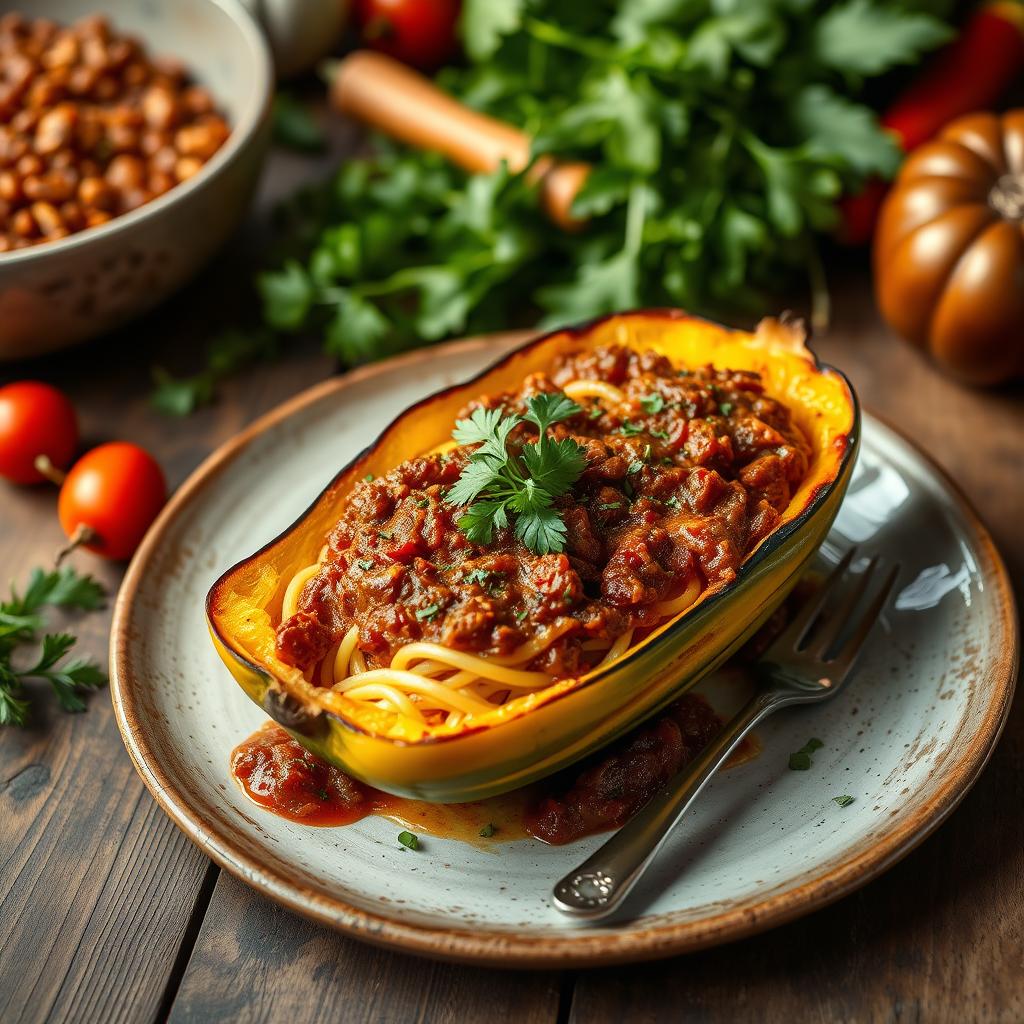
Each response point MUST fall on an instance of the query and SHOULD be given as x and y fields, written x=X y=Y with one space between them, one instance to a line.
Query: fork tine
x=847 y=654
x=809 y=611
x=840 y=617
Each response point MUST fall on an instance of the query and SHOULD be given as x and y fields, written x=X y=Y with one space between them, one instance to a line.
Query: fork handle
x=599 y=885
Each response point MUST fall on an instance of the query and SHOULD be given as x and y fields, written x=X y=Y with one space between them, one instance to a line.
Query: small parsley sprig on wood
x=20 y=622
x=497 y=485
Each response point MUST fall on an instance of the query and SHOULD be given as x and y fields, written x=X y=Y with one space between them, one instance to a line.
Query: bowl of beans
x=130 y=145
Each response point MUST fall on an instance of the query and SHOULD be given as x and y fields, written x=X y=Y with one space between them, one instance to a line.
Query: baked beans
x=91 y=127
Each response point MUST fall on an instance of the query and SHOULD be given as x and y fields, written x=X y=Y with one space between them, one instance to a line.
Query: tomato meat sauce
x=599 y=794
x=686 y=471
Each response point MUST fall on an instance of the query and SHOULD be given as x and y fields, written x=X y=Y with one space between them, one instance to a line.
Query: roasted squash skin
x=536 y=735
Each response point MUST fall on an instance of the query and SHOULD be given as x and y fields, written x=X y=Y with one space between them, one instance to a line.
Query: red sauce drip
x=602 y=793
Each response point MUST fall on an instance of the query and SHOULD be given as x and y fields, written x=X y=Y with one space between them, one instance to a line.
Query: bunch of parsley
x=721 y=133
x=20 y=622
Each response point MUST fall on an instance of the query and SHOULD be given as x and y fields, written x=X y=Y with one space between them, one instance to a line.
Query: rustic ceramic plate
x=764 y=844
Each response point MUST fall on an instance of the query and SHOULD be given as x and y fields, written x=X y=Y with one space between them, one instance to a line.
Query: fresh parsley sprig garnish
x=20 y=621
x=499 y=487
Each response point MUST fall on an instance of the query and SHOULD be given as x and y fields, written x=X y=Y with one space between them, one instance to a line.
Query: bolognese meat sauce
x=684 y=478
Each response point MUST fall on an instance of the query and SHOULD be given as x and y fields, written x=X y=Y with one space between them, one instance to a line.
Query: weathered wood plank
x=254 y=961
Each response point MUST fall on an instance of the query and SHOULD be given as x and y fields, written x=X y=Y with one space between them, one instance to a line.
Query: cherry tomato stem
x=116 y=491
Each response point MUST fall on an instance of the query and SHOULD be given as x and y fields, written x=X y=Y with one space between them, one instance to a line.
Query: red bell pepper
x=970 y=74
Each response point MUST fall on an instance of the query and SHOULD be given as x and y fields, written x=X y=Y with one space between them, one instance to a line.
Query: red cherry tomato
x=116 y=490
x=417 y=32
x=35 y=419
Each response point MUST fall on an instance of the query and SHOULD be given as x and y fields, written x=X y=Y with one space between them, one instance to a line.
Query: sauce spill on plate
x=599 y=794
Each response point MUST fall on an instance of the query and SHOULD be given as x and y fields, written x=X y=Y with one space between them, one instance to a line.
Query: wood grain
x=254 y=961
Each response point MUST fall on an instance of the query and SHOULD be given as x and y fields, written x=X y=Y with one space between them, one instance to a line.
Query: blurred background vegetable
x=949 y=254
x=722 y=135
x=421 y=33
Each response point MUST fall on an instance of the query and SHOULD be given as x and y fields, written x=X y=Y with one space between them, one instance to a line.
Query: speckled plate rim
x=572 y=949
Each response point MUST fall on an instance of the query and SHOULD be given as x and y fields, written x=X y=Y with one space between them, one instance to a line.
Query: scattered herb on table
x=227 y=353
x=843 y=801
x=408 y=840
x=21 y=620
x=294 y=125
x=496 y=484
x=800 y=761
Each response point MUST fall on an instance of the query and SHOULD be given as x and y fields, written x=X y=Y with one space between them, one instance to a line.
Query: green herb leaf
x=20 y=619
x=428 y=612
x=64 y=588
x=408 y=840
x=488 y=830
x=483 y=24
x=294 y=125
x=525 y=485
x=862 y=37
x=226 y=353
x=844 y=132
x=843 y=801
x=800 y=760
x=653 y=403
x=287 y=296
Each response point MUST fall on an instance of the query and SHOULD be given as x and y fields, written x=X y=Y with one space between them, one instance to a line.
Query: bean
x=91 y=127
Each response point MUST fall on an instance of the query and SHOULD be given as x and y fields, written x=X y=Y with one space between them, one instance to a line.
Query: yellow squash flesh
x=537 y=734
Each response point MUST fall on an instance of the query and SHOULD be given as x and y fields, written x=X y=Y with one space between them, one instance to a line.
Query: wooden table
x=109 y=913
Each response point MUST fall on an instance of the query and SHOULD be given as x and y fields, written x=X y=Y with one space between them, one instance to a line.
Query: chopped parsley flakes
x=630 y=429
x=408 y=840
x=428 y=613
x=800 y=761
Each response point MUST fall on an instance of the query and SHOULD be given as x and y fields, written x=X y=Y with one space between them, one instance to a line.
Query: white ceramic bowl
x=59 y=293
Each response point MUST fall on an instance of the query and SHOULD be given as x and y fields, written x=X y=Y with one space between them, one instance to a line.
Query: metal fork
x=809 y=661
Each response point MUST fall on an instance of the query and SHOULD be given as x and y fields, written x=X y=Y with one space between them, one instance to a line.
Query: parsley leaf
x=800 y=760
x=408 y=840
x=483 y=24
x=20 y=620
x=295 y=126
x=226 y=353
x=843 y=801
x=653 y=403
x=428 y=612
x=524 y=485
x=488 y=830
x=861 y=37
